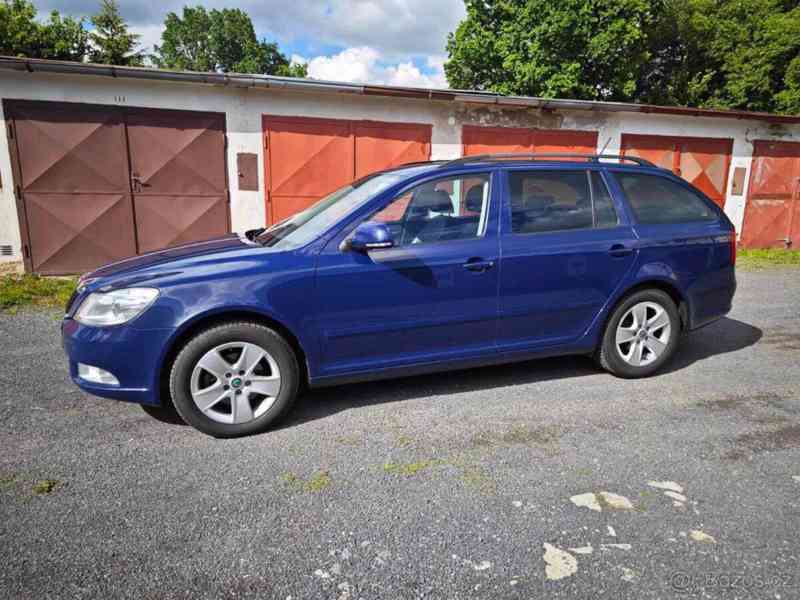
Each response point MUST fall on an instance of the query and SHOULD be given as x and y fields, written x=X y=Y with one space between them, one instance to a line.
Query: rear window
x=562 y=200
x=657 y=200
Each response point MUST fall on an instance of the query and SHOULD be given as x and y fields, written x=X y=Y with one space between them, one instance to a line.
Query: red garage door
x=492 y=140
x=772 y=212
x=703 y=162
x=308 y=158
x=95 y=184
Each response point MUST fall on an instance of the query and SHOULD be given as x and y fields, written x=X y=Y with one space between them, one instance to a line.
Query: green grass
x=32 y=290
x=767 y=259
x=45 y=486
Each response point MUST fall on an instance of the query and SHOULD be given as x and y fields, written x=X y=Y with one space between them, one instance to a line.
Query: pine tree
x=112 y=43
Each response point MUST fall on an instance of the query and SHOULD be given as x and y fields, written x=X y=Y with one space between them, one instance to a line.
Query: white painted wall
x=245 y=106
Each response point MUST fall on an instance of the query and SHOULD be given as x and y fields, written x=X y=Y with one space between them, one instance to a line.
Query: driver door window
x=455 y=208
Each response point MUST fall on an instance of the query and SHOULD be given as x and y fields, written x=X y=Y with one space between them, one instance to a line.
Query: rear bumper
x=133 y=356
x=711 y=298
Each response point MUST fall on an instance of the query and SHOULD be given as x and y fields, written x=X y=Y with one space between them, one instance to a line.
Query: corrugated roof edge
x=32 y=65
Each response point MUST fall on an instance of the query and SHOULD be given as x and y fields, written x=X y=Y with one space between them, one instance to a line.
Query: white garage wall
x=244 y=108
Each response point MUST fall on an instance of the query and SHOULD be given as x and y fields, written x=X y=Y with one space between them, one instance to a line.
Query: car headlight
x=115 y=307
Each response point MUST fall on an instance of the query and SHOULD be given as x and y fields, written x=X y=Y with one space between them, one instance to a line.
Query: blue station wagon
x=421 y=268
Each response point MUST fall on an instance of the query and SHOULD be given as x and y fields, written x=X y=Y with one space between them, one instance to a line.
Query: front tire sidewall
x=194 y=350
x=609 y=353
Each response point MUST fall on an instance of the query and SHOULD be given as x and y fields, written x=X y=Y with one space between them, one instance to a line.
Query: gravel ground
x=456 y=485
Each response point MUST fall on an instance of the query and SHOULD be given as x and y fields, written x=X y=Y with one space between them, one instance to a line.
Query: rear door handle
x=620 y=250
x=478 y=265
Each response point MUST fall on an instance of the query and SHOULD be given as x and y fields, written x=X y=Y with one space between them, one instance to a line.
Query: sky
x=393 y=42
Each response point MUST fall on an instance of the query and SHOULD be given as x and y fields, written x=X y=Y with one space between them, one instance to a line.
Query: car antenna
x=608 y=141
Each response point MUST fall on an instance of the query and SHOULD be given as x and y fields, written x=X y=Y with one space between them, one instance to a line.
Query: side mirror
x=371 y=236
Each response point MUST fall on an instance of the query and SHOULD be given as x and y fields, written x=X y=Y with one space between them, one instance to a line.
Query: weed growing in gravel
x=45 y=486
x=24 y=290
x=317 y=483
x=408 y=469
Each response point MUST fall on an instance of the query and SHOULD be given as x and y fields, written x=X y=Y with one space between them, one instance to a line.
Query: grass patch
x=767 y=258
x=410 y=469
x=45 y=486
x=31 y=290
x=317 y=483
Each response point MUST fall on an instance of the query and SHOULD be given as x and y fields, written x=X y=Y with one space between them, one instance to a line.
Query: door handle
x=478 y=265
x=620 y=250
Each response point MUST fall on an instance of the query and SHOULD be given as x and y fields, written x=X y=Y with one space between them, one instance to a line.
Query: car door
x=566 y=247
x=430 y=297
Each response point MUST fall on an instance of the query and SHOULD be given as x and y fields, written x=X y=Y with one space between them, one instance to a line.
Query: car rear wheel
x=234 y=379
x=641 y=336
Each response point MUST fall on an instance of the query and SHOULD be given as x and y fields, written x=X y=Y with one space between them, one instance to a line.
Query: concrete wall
x=245 y=106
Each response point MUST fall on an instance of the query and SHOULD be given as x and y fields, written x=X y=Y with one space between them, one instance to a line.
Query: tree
x=22 y=35
x=742 y=54
x=224 y=40
x=572 y=48
x=111 y=41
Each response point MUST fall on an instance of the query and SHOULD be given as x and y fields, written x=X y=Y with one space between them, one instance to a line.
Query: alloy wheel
x=643 y=333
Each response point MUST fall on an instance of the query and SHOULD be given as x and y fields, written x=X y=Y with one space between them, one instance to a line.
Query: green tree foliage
x=742 y=54
x=225 y=40
x=111 y=41
x=57 y=38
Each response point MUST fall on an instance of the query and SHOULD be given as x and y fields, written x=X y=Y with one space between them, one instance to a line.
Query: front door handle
x=620 y=250
x=478 y=265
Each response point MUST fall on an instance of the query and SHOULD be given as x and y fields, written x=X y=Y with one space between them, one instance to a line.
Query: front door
x=431 y=297
x=566 y=247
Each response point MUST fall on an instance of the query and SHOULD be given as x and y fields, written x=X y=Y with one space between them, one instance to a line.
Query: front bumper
x=132 y=355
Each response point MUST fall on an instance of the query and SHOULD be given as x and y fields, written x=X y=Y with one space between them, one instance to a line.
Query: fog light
x=96 y=375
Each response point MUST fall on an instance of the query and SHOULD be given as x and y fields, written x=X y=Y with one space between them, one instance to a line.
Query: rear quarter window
x=657 y=200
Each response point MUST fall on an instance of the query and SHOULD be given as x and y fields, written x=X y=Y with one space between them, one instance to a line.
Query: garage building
x=98 y=163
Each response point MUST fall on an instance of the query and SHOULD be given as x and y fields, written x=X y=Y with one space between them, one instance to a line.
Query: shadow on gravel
x=724 y=336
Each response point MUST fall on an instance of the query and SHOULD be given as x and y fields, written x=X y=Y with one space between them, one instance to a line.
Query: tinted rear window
x=657 y=200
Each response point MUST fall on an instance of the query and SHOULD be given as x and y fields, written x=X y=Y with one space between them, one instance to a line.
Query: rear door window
x=656 y=200
x=563 y=200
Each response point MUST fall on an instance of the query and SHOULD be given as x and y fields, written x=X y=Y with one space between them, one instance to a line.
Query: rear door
x=566 y=247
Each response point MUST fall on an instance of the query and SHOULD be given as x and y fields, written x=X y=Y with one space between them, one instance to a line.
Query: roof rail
x=546 y=156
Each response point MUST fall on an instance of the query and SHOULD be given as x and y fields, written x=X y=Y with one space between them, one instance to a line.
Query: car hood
x=178 y=257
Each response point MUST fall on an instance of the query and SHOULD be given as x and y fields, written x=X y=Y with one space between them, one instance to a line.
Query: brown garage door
x=308 y=158
x=488 y=140
x=78 y=202
x=703 y=162
x=772 y=212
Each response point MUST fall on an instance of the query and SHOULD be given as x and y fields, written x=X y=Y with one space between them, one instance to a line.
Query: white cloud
x=151 y=35
x=364 y=64
x=400 y=28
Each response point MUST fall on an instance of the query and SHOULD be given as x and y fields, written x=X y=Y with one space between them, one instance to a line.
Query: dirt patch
x=784 y=438
x=782 y=340
x=544 y=437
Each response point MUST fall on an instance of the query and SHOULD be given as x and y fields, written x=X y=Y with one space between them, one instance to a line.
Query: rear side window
x=544 y=201
x=658 y=200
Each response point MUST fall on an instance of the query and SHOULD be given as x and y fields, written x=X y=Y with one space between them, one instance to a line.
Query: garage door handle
x=478 y=265
x=620 y=250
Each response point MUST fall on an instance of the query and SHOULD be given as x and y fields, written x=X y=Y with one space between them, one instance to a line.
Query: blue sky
x=399 y=42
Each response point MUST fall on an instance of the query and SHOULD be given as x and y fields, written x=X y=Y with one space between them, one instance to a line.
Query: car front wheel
x=234 y=379
x=641 y=336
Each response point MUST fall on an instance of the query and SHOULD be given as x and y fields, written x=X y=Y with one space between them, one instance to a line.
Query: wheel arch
x=665 y=286
x=217 y=318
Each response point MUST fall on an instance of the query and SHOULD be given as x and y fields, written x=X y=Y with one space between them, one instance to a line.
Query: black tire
x=165 y=413
x=239 y=331
x=610 y=357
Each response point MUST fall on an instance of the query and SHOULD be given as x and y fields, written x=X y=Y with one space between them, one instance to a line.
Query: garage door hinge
x=25 y=251
x=266 y=142
x=10 y=131
x=18 y=192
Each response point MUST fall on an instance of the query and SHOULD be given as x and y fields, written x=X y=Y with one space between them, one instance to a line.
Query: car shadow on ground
x=724 y=336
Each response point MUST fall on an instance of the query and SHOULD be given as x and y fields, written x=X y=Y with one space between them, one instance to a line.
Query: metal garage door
x=703 y=162
x=308 y=158
x=78 y=202
x=488 y=140
x=772 y=212
x=178 y=176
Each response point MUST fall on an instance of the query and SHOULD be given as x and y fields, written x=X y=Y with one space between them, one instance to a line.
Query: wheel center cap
x=236 y=382
x=642 y=334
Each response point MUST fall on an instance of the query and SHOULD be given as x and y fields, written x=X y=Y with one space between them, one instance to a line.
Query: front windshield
x=305 y=226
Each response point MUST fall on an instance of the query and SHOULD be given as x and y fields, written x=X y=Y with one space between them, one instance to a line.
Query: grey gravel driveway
x=543 y=479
